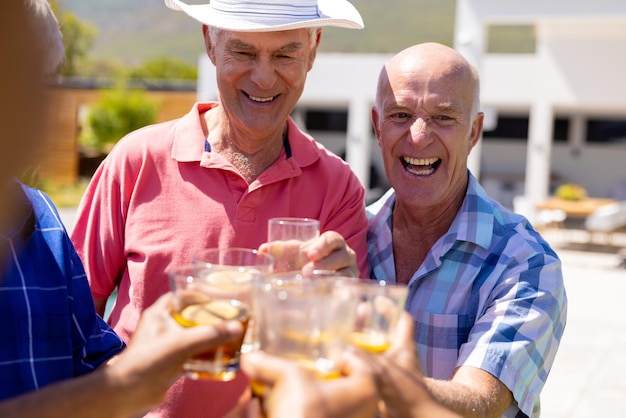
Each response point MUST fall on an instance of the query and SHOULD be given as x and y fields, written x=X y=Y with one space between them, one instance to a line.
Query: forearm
x=100 y=305
x=422 y=406
x=475 y=399
x=99 y=394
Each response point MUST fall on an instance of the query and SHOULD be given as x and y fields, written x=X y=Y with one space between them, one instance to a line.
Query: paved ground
x=588 y=379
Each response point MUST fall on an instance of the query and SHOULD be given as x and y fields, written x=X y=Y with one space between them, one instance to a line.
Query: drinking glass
x=198 y=300
x=306 y=320
x=236 y=268
x=287 y=235
x=379 y=306
x=242 y=260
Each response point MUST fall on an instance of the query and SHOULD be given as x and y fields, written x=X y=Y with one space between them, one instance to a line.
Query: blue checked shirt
x=489 y=294
x=50 y=330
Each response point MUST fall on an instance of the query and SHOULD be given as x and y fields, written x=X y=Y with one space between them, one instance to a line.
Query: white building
x=557 y=115
x=571 y=91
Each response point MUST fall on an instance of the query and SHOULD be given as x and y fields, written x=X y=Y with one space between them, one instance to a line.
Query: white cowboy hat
x=271 y=15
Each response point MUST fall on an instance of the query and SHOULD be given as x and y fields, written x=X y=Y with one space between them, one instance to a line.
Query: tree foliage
x=118 y=112
x=78 y=38
x=165 y=68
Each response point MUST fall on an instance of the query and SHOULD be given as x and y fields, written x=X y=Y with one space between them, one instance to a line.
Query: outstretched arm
x=401 y=384
x=138 y=378
x=472 y=392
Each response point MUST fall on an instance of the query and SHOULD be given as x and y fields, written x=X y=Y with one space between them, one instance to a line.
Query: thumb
x=203 y=337
x=265 y=368
x=404 y=332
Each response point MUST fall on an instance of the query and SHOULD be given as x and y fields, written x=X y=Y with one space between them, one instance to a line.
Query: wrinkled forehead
x=420 y=81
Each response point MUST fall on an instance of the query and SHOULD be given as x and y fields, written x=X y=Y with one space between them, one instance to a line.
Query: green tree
x=118 y=112
x=165 y=68
x=103 y=68
x=78 y=38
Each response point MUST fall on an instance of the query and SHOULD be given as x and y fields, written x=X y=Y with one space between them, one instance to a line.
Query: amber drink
x=379 y=306
x=199 y=301
x=235 y=270
x=305 y=320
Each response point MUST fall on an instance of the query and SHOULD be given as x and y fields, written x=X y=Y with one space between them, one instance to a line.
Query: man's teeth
x=420 y=161
x=261 y=99
x=420 y=166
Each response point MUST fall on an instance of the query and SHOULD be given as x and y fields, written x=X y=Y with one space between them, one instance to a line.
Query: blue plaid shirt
x=50 y=330
x=489 y=294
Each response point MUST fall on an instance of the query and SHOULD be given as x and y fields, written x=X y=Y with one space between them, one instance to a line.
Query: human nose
x=263 y=74
x=420 y=132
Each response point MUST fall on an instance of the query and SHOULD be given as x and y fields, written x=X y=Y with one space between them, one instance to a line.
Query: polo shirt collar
x=189 y=139
x=188 y=143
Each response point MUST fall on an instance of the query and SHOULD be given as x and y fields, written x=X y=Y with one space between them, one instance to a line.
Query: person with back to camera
x=214 y=177
x=55 y=350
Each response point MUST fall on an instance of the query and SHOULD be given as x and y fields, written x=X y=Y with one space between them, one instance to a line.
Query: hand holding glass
x=306 y=320
x=198 y=300
x=236 y=268
x=379 y=305
x=287 y=235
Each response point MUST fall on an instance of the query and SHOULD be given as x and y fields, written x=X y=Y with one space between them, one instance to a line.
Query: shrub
x=117 y=113
x=165 y=68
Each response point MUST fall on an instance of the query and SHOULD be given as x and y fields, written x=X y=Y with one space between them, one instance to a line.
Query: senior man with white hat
x=214 y=177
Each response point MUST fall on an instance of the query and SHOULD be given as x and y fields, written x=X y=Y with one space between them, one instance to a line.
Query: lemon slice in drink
x=210 y=313
x=223 y=309
x=374 y=342
x=302 y=337
x=229 y=278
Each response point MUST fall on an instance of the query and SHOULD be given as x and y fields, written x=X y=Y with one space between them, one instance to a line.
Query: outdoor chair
x=606 y=220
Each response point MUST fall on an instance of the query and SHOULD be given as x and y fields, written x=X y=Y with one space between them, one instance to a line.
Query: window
x=326 y=120
x=509 y=127
x=560 y=132
x=606 y=130
x=516 y=128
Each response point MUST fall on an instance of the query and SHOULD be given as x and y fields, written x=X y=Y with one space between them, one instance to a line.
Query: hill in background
x=131 y=31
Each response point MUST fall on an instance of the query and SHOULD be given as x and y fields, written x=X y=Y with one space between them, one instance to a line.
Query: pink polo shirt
x=159 y=197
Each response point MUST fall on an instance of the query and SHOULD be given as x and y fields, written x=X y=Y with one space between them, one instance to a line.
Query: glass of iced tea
x=198 y=300
x=379 y=306
x=236 y=269
x=306 y=320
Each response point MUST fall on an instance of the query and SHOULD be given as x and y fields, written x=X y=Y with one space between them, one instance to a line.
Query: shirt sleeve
x=517 y=337
x=94 y=341
x=98 y=233
x=350 y=220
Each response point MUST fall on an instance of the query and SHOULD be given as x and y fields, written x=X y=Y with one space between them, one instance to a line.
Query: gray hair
x=50 y=39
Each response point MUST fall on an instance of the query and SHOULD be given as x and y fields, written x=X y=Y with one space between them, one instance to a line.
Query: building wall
x=59 y=158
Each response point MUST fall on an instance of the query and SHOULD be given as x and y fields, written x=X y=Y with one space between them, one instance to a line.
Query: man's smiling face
x=261 y=76
x=426 y=123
